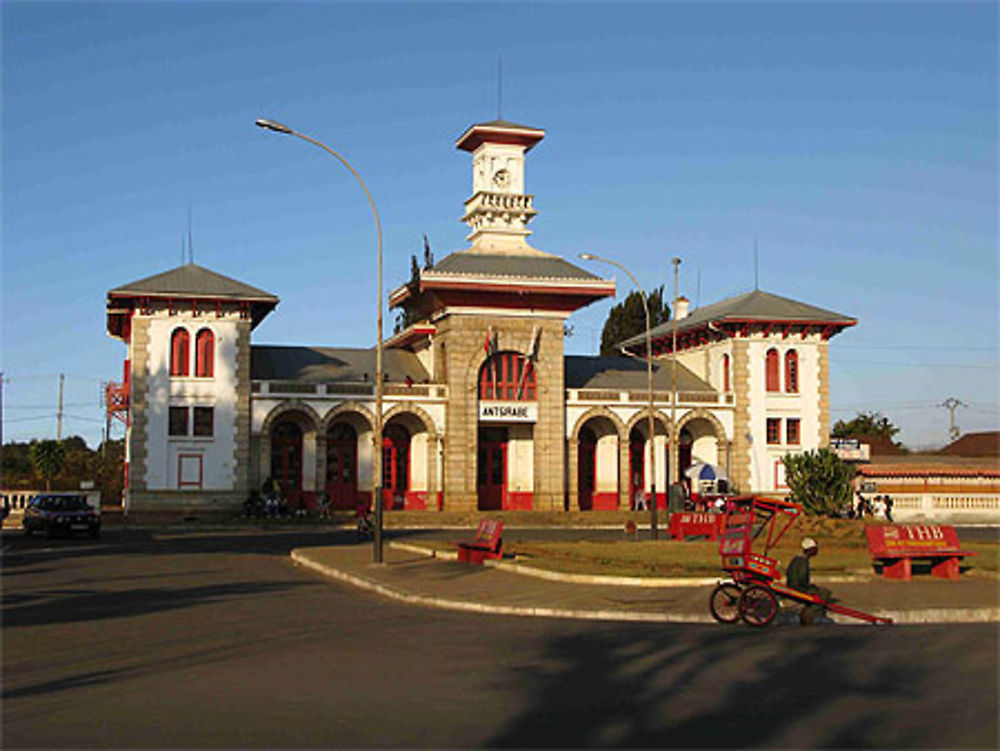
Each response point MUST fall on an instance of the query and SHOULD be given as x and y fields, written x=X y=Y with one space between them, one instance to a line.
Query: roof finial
x=756 y=271
x=499 y=87
x=190 y=241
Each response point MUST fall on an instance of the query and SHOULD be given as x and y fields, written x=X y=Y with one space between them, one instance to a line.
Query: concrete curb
x=475 y=607
x=901 y=617
x=597 y=579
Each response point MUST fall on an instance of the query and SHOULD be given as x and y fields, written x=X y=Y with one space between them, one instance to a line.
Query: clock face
x=501 y=178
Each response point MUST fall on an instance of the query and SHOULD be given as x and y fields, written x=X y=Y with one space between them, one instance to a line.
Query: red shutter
x=772 y=370
x=180 y=343
x=205 y=348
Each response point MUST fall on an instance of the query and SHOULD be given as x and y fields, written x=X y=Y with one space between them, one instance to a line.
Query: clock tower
x=499 y=209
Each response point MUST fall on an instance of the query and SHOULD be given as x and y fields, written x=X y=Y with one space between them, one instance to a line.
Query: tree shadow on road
x=674 y=688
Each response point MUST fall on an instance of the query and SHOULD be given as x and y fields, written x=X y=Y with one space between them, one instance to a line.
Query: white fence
x=947 y=508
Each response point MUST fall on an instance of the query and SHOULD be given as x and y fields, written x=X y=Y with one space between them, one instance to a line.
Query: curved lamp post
x=654 y=532
x=377 y=455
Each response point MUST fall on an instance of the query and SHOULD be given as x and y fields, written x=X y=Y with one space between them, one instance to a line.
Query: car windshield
x=69 y=503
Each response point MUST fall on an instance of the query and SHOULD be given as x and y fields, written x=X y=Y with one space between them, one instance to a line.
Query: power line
x=914 y=346
x=953 y=365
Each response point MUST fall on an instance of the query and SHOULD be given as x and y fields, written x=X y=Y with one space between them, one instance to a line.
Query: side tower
x=489 y=324
x=771 y=354
x=187 y=385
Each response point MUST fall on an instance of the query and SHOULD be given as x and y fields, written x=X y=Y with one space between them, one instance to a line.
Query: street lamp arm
x=327 y=149
x=654 y=532
x=379 y=386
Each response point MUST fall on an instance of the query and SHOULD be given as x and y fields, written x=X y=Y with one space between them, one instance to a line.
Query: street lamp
x=377 y=455
x=675 y=441
x=654 y=531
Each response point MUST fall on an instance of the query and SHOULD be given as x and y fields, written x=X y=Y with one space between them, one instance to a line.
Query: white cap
x=809 y=543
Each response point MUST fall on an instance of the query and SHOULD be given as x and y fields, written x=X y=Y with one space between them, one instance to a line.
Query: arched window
x=772 y=375
x=792 y=371
x=204 y=345
x=509 y=376
x=180 y=344
x=725 y=373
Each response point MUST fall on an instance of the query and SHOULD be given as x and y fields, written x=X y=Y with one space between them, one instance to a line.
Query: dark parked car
x=53 y=513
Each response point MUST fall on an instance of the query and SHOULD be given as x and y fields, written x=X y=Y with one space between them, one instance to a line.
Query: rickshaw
x=754 y=588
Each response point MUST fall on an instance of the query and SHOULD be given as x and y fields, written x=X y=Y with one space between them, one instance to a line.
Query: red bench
x=487 y=544
x=689 y=524
x=896 y=546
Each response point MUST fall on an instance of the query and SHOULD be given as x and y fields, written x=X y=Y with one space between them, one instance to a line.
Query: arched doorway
x=586 y=468
x=636 y=465
x=598 y=463
x=342 y=466
x=684 y=446
x=395 y=466
x=286 y=458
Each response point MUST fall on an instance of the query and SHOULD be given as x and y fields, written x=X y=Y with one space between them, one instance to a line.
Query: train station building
x=482 y=408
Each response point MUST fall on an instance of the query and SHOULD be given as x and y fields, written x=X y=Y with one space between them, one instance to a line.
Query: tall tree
x=628 y=319
x=819 y=480
x=48 y=457
x=865 y=424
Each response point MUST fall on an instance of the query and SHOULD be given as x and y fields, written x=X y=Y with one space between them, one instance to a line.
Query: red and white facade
x=482 y=408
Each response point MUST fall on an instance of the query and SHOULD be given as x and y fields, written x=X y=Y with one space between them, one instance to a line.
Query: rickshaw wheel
x=725 y=603
x=758 y=605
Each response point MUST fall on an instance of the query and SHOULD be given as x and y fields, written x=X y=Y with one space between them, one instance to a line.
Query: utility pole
x=59 y=416
x=951 y=404
x=107 y=419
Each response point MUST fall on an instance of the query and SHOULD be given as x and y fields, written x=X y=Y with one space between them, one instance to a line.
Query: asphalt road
x=177 y=640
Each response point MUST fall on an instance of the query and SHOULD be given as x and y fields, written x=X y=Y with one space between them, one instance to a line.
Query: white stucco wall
x=219 y=392
x=520 y=459
x=766 y=471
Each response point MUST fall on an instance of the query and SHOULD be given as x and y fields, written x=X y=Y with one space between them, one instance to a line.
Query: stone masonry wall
x=464 y=338
x=741 y=448
x=823 y=349
x=139 y=403
x=241 y=451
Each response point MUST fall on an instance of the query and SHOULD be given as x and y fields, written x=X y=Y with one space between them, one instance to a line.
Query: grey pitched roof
x=192 y=280
x=540 y=266
x=752 y=306
x=331 y=364
x=627 y=374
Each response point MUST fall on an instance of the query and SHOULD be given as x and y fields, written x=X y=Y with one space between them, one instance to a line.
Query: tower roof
x=738 y=313
x=191 y=280
x=499 y=131
x=184 y=283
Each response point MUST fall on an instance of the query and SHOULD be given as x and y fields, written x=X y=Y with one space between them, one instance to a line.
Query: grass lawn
x=669 y=558
x=843 y=550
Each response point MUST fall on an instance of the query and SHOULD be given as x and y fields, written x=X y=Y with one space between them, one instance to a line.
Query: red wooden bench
x=487 y=544
x=896 y=546
x=690 y=524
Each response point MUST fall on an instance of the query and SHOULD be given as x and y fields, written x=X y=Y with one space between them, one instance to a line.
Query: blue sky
x=857 y=143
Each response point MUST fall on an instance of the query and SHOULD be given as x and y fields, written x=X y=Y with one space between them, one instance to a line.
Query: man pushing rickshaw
x=754 y=587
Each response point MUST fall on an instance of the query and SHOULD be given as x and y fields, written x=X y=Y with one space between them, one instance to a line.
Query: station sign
x=497 y=411
x=851 y=449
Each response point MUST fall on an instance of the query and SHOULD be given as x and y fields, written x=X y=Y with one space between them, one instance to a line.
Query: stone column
x=241 y=449
x=320 y=459
x=624 y=502
x=741 y=446
x=823 y=351
x=550 y=430
x=138 y=404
